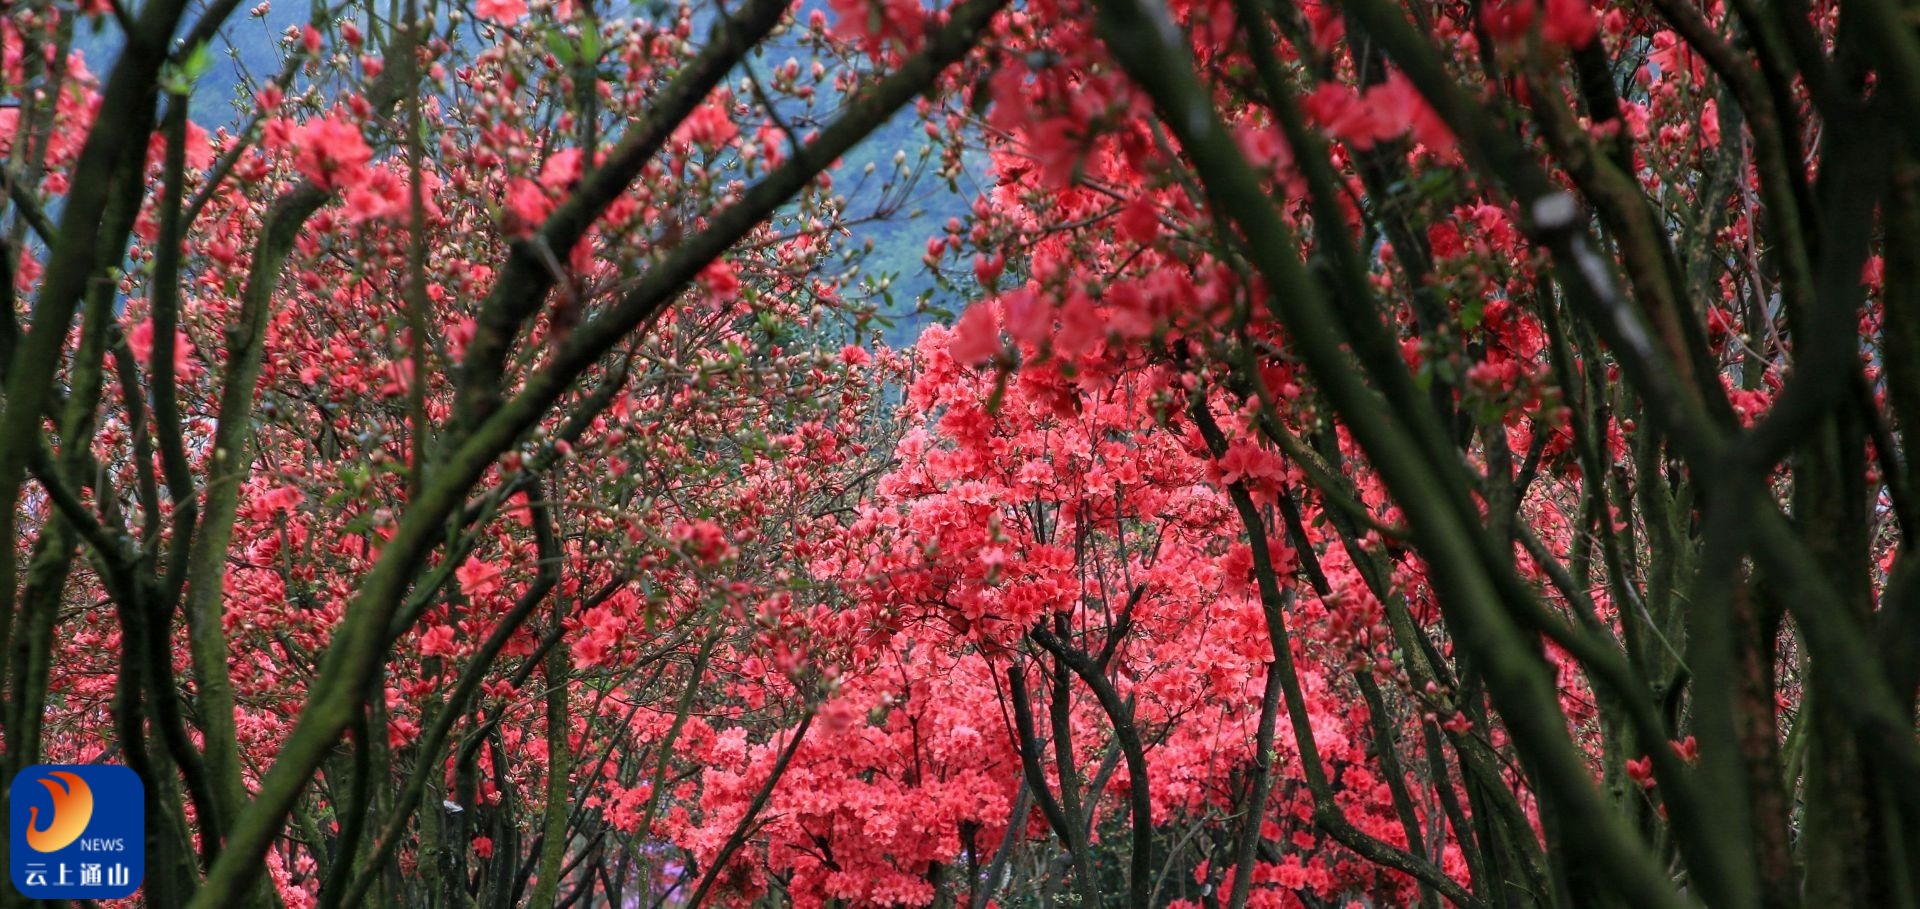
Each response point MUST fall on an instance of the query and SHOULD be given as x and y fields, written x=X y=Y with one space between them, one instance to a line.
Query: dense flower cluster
x=480 y=464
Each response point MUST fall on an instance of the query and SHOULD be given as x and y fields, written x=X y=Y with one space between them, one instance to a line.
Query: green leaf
x=1434 y=183
x=561 y=48
x=1471 y=313
x=197 y=63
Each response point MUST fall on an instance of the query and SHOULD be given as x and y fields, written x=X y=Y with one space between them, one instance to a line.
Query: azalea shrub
x=1382 y=453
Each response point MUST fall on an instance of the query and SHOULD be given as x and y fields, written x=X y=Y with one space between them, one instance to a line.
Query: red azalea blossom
x=505 y=12
x=478 y=578
x=331 y=152
x=906 y=453
x=437 y=641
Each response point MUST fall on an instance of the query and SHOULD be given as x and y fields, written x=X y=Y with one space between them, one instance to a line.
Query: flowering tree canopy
x=1383 y=453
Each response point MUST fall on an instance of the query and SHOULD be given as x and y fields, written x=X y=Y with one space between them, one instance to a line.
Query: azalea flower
x=505 y=12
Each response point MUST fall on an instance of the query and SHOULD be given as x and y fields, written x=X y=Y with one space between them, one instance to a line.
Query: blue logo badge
x=77 y=831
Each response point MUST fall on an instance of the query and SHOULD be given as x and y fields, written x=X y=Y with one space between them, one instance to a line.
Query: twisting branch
x=1273 y=605
x=340 y=890
x=360 y=643
x=1143 y=37
x=747 y=820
